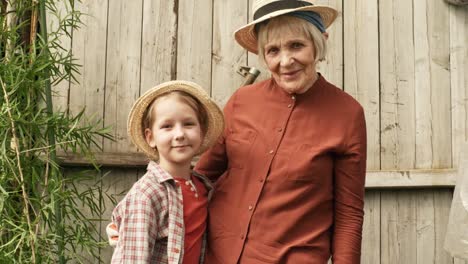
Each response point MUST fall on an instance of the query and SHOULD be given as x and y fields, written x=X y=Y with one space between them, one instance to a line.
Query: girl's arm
x=137 y=230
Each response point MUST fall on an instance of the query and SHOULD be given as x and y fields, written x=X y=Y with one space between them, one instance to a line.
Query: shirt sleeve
x=214 y=162
x=349 y=180
x=137 y=230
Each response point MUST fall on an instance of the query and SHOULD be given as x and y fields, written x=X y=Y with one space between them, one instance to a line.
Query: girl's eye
x=189 y=123
x=165 y=126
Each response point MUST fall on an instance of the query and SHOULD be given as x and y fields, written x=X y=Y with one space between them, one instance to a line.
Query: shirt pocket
x=309 y=163
x=238 y=146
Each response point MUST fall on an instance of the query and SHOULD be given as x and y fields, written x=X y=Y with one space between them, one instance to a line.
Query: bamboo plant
x=41 y=203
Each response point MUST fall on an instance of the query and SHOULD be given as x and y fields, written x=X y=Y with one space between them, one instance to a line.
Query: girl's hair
x=192 y=102
x=274 y=27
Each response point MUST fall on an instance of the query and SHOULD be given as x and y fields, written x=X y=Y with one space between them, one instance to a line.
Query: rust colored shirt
x=195 y=201
x=289 y=172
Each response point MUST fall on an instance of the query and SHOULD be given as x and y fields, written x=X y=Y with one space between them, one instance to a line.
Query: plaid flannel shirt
x=150 y=220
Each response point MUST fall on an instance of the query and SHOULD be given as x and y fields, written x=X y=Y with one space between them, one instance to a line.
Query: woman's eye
x=271 y=50
x=296 y=45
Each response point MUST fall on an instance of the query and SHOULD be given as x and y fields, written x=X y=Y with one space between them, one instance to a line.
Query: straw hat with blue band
x=136 y=131
x=320 y=16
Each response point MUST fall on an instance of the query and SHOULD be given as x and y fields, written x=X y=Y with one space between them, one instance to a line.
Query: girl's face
x=290 y=57
x=175 y=132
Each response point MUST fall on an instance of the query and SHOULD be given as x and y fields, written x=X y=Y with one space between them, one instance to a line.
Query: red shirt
x=290 y=172
x=195 y=203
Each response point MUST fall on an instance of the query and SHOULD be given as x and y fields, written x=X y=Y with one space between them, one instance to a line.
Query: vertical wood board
x=397 y=84
x=361 y=72
x=123 y=69
x=89 y=49
x=425 y=226
x=158 y=43
x=227 y=55
x=60 y=91
x=371 y=228
x=459 y=79
x=194 y=42
x=332 y=67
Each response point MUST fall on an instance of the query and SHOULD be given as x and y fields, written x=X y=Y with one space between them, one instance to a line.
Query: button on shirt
x=195 y=204
x=150 y=220
x=289 y=172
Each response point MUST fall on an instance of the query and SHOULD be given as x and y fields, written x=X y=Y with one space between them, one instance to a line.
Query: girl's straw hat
x=135 y=118
x=266 y=9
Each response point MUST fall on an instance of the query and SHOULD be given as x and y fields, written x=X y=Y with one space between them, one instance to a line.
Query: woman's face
x=290 y=57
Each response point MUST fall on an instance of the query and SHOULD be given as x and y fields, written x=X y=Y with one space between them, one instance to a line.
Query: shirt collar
x=285 y=97
x=160 y=174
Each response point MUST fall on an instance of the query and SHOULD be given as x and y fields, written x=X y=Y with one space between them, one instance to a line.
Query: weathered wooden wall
x=405 y=61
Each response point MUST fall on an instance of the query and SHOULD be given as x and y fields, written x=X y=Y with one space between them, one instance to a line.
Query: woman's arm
x=214 y=162
x=349 y=180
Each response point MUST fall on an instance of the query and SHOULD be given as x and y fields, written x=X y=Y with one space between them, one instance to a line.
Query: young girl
x=162 y=219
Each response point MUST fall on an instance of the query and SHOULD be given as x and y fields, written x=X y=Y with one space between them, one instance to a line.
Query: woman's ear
x=325 y=34
x=150 y=138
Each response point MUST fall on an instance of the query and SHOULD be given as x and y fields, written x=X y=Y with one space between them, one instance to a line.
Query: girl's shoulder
x=148 y=188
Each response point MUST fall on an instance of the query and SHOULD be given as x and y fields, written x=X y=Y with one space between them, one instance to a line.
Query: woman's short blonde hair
x=274 y=27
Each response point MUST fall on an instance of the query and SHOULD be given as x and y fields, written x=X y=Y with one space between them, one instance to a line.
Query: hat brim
x=135 y=128
x=247 y=38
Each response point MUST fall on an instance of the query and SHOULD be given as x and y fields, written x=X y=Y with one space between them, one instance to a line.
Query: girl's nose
x=179 y=133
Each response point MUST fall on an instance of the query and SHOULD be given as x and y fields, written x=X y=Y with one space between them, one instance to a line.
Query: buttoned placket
x=190 y=183
x=290 y=105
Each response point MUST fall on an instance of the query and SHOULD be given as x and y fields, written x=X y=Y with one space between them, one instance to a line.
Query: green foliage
x=47 y=214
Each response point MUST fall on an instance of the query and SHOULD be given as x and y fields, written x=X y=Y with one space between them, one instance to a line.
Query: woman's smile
x=291 y=61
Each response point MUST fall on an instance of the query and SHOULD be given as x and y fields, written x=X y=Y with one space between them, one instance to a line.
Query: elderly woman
x=290 y=165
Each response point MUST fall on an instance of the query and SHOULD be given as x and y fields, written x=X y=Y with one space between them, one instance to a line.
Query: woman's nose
x=286 y=59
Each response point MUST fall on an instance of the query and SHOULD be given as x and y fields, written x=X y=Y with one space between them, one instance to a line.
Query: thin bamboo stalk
x=10 y=23
x=50 y=132
x=16 y=147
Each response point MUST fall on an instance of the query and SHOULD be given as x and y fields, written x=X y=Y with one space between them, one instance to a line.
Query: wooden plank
x=439 y=43
x=424 y=151
x=459 y=78
x=361 y=72
x=60 y=92
x=123 y=69
x=425 y=226
x=227 y=55
x=397 y=84
x=332 y=67
x=406 y=227
x=411 y=178
x=398 y=225
x=85 y=186
x=459 y=261
x=432 y=80
x=374 y=179
x=159 y=43
x=442 y=203
x=252 y=59
x=114 y=159
x=89 y=50
x=115 y=183
x=371 y=228
x=194 y=42
x=388 y=223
